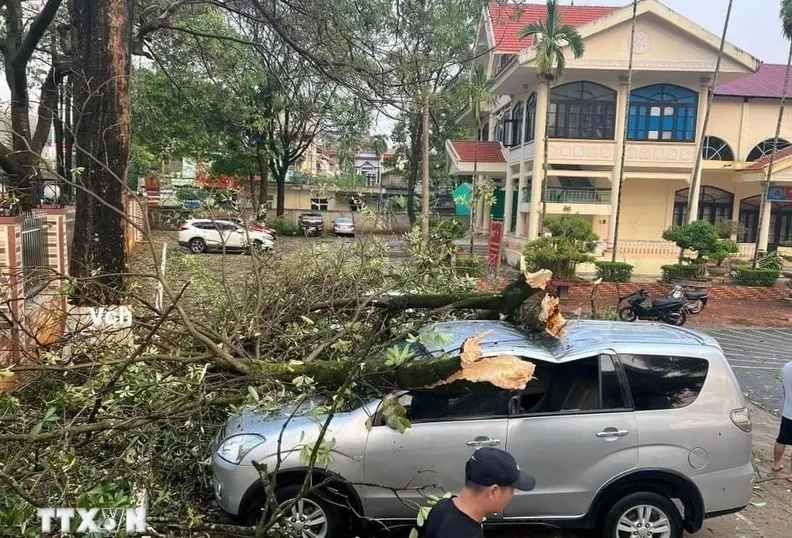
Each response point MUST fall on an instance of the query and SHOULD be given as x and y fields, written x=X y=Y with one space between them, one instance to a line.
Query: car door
x=210 y=233
x=573 y=430
x=228 y=236
x=448 y=424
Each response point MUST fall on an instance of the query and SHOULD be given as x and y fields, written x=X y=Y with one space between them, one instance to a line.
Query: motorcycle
x=695 y=300
x=668 y=309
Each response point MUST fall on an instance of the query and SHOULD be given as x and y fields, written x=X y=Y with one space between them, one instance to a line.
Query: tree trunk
x=615 y=238
x=695 y=179
x=770 y=165
x=68 y=152
x=262 y=158
x=59 y=141
x=416 y=135
x=425 y=169
x=280 y=189
x=22 y=170
x=102 y=33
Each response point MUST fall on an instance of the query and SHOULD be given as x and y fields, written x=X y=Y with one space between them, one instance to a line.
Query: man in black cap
x=491 y=476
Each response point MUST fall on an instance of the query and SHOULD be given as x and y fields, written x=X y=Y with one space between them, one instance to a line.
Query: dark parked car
x=311 y=223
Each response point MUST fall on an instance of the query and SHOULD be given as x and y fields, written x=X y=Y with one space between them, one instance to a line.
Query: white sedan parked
x=201 y=235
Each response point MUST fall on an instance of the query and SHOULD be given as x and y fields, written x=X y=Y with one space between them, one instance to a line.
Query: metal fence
x=579 y=196
x=34 y=252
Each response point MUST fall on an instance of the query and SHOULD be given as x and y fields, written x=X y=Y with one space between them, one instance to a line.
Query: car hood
x=270 y=424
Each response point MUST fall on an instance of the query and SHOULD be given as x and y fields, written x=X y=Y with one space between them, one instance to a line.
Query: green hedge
x=678 y=271
x=283 y=226
x=614 y=271
x=755 y=277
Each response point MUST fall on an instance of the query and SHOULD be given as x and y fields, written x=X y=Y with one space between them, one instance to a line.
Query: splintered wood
x=507 y=371
x=504 y=371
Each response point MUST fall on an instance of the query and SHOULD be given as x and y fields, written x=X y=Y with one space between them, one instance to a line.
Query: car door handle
x=479 y=442
x=611 y=433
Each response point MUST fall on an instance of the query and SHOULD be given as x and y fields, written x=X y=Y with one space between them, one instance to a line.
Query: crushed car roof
x=578 y=337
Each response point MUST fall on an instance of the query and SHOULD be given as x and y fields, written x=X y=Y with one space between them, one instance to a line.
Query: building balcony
x=557 y=195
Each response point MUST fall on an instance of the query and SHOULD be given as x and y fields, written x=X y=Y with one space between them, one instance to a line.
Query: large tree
x=102 y=31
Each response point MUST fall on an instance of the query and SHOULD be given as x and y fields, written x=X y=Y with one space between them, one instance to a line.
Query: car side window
x=585 y=385
x=460 y=400
x=661 y=382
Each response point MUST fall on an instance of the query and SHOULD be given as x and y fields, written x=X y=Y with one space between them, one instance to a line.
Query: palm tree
x=476 y=94
x=624 y=137
x=550 y=38
x=785 y=12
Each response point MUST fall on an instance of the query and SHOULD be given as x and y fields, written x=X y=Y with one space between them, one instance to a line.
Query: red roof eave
x=508 y=20
x=483 y=152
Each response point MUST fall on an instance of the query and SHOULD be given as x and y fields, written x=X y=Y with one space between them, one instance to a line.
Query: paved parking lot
x=757 y=356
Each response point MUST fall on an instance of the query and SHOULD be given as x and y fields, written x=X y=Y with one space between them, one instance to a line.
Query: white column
x=520 y=228
x=539 y=143
x=621 y=109
x=487 y=219
x=508 y=206
x=695 y=188
x=764 y=227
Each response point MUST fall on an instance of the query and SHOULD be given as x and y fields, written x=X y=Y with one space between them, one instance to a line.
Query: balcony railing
x=557 y=195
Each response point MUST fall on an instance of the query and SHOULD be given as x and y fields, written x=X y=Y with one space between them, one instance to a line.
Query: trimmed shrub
x=571 y=242
x=614 y=271
x=283 y=226
x=679 y=271
x=755 y=277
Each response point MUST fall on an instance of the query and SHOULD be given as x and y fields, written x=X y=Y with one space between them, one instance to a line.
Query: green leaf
x=253 y=393
x=413 y=533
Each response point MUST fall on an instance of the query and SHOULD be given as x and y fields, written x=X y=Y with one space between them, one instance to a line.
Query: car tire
x=329 y=522
x=257 y=247
x=631 y=514
x=681 y=319
x=197 y=245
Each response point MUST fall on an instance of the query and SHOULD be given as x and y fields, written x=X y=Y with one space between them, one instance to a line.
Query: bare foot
x=777 y=468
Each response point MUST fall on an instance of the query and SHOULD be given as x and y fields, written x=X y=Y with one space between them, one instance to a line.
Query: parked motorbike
x=668 y=309
x=695 y=300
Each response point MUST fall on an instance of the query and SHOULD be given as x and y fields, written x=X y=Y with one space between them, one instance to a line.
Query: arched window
x=516 y=124
x=582 y=110
x=780 y=222
x=500 y=132
x=715 y=149
x=662 y=112
x=530 y=118
x=765 y=147
x=714 y=205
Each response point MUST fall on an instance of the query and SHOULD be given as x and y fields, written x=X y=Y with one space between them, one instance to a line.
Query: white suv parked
x=201 y=235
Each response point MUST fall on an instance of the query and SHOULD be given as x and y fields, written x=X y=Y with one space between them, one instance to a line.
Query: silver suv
x=637 y=430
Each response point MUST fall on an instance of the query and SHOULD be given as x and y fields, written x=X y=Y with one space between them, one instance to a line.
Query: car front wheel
x=311 y=516
x=643 y=515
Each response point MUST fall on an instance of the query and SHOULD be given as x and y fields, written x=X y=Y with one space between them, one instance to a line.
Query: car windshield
x=344 y=220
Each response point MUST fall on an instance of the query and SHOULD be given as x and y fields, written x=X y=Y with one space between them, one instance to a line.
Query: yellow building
x=674 y=61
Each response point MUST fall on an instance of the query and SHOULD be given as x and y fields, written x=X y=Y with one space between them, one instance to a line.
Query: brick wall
x=607 y=292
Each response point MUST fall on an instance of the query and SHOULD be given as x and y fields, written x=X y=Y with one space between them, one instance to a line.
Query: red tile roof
x=768 y=82
x=764 y=161
x=509 y=19
x=483 y=152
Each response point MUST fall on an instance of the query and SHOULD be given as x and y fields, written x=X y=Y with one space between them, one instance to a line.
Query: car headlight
x=235 y=448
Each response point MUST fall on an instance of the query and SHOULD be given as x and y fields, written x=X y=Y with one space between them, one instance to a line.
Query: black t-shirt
x=447 y=521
